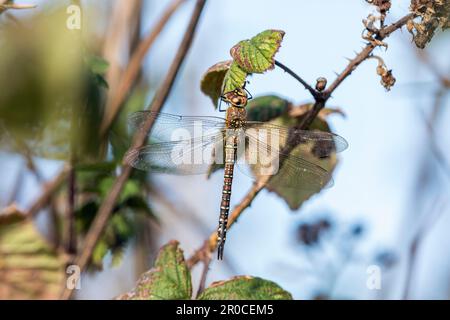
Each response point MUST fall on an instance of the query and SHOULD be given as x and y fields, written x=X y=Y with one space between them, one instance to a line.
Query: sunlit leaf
x=245 y=288
x=168 y=280
x=234 y=78
x=29 y=267
x=257 y=54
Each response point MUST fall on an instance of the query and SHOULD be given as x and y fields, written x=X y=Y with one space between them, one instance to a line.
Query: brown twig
x=132 y=70
x=320 y=100
x=107 y=206
x=70 y=241
x=15 y=6
x=206 y=258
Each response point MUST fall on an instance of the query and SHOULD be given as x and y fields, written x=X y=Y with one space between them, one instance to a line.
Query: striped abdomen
x=230 y=157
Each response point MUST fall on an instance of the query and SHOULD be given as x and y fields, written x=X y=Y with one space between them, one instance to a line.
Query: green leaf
x=266 y=108
x=257 y=54
x=234 y=78
x=29 y=267
x=137 y=203
x=130 y=189
x=100 y=250
x=170 y=278
x=212 y=80
x=245 y=288
x=97 y=64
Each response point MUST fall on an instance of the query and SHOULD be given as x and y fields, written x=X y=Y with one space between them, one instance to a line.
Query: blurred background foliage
x=57 y=84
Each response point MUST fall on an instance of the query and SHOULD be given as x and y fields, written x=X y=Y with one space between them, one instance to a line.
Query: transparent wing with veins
x=176 y=143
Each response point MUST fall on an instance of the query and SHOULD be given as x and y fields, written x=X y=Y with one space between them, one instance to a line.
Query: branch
x=206 y=258
x=16 y=6
x=107 y=206
x=320 y=101
x=133 y=67
x=70 y=244
x=365 y=53
x=313 y=92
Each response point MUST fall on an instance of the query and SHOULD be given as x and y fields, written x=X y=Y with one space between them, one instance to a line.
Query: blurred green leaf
x=130 y=189
x=137 y=203
x=245 y=288
x=169 y=279
x=97 y=64
x=53 y=105
x=266 y=108
x=29 y=267
x=106 y=166
x=121 y=227
x=257 y=54
x=119 y=136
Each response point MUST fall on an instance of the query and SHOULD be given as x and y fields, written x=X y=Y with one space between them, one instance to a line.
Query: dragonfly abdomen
x=230 y=158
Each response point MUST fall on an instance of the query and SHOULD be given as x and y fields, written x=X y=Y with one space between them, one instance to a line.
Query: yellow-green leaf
x=234 y=78
x=257 y=54
x=169 y=279
x=29 y=267
x=245 y=288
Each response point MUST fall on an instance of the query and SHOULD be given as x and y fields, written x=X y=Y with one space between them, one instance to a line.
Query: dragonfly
x=187 y=145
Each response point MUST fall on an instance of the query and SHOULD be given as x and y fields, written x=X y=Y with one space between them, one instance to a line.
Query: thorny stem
x=319 y=104
x=108 y=204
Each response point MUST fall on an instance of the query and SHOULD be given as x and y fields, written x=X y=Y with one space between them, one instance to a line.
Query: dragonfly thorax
x=236 y=117
x=237 y=98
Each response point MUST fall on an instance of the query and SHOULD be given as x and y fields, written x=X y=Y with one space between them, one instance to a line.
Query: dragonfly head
x=237 y=97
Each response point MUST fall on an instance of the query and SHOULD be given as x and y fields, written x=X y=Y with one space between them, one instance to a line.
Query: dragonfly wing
x=183 y=157
x=323 y=143
x=169 y=127
x=288 y=169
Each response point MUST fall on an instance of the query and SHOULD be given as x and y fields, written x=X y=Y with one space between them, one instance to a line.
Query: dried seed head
x=321 y=83
x=388 y=80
